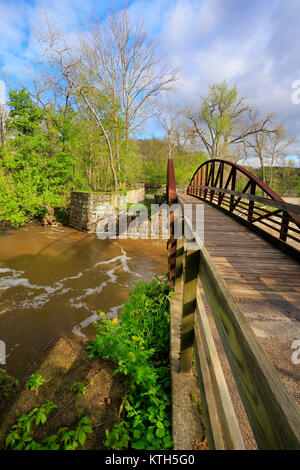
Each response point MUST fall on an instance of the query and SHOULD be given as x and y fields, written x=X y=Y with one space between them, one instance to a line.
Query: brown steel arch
x=238 y=191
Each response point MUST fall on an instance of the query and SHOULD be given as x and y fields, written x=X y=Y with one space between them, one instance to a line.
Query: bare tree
x=238 y=153
x=168 y=115
x=257 y=142
x=223 y=120
x=277 y=149
x=128 y=67
x=69 y=65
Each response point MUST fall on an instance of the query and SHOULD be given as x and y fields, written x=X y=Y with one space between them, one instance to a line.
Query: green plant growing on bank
x=79 y=388
x=20 y=436
x=7 y=384
x=139 y=345
x=72 y=439
x=35 y=381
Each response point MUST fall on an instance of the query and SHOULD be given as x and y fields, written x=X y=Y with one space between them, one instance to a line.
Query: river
x=54 y=279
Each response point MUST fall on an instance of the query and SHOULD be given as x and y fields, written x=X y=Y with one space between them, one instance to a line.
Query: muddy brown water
x=53 y=281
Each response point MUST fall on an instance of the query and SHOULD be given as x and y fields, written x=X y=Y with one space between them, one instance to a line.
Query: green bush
x=139 y=344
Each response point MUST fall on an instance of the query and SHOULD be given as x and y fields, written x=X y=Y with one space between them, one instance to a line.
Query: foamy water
x=53 y=282
x=11 y=278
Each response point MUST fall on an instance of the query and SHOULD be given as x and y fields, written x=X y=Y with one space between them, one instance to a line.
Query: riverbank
x=63 y=364
x=119 y=385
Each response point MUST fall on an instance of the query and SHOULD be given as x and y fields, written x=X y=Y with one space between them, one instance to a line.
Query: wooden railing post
x=190 y=278
x=179 y=261
x=205 y=180
x=284 y=227
x=212 y=193
x=198 y=184
x=201 y=182
x=221 y=182
x=251 y=203
x=233 y=181
x=171 y=198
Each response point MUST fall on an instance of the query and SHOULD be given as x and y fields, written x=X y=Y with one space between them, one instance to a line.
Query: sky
x=251 y=43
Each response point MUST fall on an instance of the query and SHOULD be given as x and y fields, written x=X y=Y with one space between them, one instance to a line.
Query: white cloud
x=253 y=44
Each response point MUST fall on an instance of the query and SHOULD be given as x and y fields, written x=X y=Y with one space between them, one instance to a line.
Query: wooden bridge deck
x=264 y=281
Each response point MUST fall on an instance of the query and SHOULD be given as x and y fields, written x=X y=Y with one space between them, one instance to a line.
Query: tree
x=35 y=168
x=71 y=66
x=168 y=115
x=127 y=66
x=277 y=148
x=223 y=120
x=257 y=142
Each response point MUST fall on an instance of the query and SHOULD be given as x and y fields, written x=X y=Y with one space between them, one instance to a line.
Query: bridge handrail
x=208 y=184
x=263 y=186
x=273 y=415
x=171 y=199
x=286 y=206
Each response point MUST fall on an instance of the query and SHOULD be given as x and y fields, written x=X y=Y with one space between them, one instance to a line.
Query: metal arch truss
x=237 y=191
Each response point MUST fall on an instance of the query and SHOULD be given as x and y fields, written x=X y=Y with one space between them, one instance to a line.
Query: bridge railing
x=272 y=413
x=203 y=297
x=238 y=192
x=171 y=199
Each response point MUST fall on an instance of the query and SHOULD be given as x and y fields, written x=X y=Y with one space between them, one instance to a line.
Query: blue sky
x=253 y=43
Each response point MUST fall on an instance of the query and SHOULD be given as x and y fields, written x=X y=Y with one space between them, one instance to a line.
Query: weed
x=20 y=437
x=35 y=381
x=79 y=388
x=139 y=344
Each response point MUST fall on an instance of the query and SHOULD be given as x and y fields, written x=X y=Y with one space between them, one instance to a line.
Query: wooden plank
x=190 y=277
x=287 y=248
x=186 y=425
x=212 y=421
x=273 y=415
x=231 y=431
x=179 y=264
x=259 y=268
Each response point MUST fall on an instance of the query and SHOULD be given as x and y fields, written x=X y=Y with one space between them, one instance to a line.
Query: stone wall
x=86 y=207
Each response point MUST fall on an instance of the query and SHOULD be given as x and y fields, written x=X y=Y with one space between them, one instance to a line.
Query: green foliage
x=285 y=179
x=139 y=344
x=79 y=388
x=218 y=108
x=72 y=439
x=49 y=151
x=35 y=381
x=7 y=384
x=25 y=117
x=35 y=164
x=20 y=436
x=154 y=155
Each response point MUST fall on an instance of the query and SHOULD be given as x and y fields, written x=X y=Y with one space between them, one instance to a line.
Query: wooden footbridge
x=235 y=309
